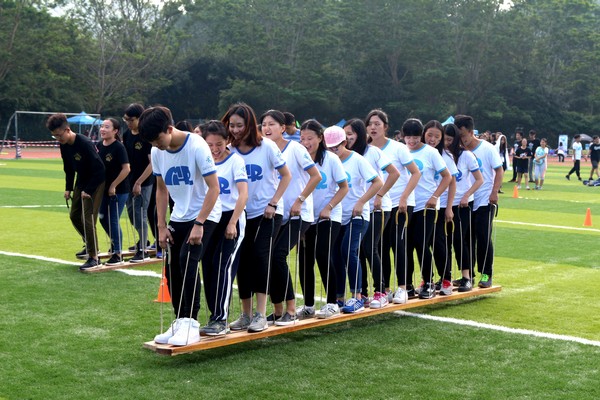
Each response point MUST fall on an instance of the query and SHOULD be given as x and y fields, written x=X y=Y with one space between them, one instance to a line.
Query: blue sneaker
x=353 y=305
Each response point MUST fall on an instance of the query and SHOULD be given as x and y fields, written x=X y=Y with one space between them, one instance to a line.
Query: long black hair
x=455 y=147
x=359 y=128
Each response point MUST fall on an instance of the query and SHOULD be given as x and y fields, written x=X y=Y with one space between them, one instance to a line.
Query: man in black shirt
x=533 y=144
x=80 y=157
x=594 y=155
x=141 y=179
x=516 y=145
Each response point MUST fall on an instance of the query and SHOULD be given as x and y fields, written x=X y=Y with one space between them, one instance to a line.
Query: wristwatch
x=301 y=198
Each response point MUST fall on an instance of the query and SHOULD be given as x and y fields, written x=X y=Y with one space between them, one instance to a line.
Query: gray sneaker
x=240 y=324
x=287 y=319
x=214 y=328
x=258 y=324
x=305 y=312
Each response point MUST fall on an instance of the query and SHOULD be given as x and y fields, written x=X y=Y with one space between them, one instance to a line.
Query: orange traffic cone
x=516 y=192
x=588 y=218
x=163 y=290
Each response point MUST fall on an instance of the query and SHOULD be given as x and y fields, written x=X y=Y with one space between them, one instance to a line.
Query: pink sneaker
x=380 y=300
x=446 y=287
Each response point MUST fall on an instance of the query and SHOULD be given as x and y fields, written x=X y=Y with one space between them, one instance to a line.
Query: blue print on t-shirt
x=419 y=164
x=254 y=172
x=179 y=175
x=323 y=183
x=224 y=186
x=459 y=176
x=349 y=180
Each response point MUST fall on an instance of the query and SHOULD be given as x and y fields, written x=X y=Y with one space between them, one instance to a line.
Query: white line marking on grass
x=41 y=258
x=572 y=228
x=134 y=272
x=37 y=206
x=500 y=328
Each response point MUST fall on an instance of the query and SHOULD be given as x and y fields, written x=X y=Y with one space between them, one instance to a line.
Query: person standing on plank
x=184 y=169
x=80 y=157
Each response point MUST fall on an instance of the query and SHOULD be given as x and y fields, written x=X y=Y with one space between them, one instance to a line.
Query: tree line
x=531 y=64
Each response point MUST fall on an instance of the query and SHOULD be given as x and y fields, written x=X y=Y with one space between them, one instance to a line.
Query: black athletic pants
x=420 y=232
x=370 y=251
x=481 y=227
x=399 y=244
x=462 y=237
x=576 y=168
x=441 y=245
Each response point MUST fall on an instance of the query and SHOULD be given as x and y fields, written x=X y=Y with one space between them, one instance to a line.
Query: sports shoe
x=427 y=290
x=115 y=259
x=159 y=253
x=518 y=187
x=240 y=324
x=353 y=305
x=390 y=296
x=304 y=312
x=466 y=285
x=438 y=285
x=214 y=328
x=140 y=256
x=579 y=177
x=328 y=310
x=400 y=296
x=366 y=300
x=568 y=177
x=188 y=333
x=258 y=324
x=485 y=281
x=271 y=318
x=527 y=187
x=287 y=319
x=90 y=263
x=410 y=291
x=446 y=287
x=163 y=338
x=380 y=300
x=417 y=290
x=82 y=254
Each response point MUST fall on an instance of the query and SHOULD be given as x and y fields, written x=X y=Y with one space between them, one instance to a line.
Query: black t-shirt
x=114 y=156
x=533 y=144
x=595 y=152
x=82 y=158
x=522 y=152
x=138 y=152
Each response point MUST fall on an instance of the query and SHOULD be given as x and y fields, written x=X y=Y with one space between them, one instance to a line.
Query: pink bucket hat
x=334 y=135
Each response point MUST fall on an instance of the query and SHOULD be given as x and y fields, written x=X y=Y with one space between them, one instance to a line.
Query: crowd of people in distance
x=240 y=193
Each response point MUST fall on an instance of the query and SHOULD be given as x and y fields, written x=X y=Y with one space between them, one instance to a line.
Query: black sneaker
x=427 y=291
x=140 y=256
x=90 y=263
x=465 y=285
x=133 y=248
x=271 y=318
x=115 y=259
x=82 y=255
x=579 y=177
x=214 y=328
x=438 y=285
x=568 y=177
x=410 y=291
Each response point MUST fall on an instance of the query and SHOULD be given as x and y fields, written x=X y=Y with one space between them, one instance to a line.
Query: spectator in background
x=533 y=144
x=184 y=126
x=521 y=160
x=398 y=136
x=594 y=158
x=560 y=151
x=291 y=130
x=516 y=145
x=577 y=150
x=502 y=147
x=540 y=163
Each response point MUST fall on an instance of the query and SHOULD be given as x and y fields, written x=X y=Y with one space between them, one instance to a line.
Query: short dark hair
x=379 y=113
x=577 y=136
x=56 y=121
x=153 y=122
x=184 y=126
x=532 y=132
x=412 y=127
x=134 y=110
x=290 y=119
x=277 y=115
x=214 y=127
x=464 y=121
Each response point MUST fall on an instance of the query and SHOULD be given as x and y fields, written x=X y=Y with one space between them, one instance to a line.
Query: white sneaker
x=400 y=296
x=188 y=333
x=163 y=338
x=328 y=310
x=379 y=300
x=304 y=312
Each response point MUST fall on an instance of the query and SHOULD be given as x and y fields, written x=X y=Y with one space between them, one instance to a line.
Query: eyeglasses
x=128 y=120
x=57 y=135
x=334 y=148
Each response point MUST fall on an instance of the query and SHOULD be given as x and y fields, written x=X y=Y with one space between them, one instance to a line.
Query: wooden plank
x=211 y=342
x=123 y=265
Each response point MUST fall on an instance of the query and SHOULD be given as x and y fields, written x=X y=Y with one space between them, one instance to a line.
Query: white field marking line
x=37 y=206
x=572 y=228
x=501 y=328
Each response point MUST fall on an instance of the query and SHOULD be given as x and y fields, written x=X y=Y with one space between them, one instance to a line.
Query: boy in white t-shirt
x=577 y=151
x=185 y=170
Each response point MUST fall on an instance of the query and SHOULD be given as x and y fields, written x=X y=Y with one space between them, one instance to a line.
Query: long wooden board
x=243 y=336
x=125 y=264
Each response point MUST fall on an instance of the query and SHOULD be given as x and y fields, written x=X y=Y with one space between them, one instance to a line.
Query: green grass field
x=68 y=335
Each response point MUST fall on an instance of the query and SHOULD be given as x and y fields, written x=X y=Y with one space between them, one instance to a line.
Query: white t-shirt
x=359 y=173
x=332 y=173
x=451 y=165
x=489 y=160
x=379 y=161
x=431 y=164
x=467 y=164
x=577 y=150
x=262 y=163
x=401 y=158
x=298 y=161
x=230 y=171
x=183 y=172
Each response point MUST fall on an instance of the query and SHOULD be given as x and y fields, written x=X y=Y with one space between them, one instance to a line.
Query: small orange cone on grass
x=588 y=218
x=516 y=192
x=163 y=290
